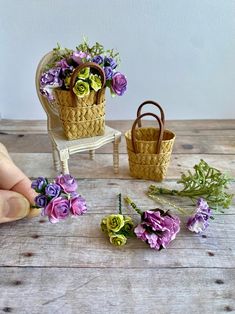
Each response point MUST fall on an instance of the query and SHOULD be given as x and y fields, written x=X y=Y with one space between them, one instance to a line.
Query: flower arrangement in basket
x=76 y=81
x=149 y=148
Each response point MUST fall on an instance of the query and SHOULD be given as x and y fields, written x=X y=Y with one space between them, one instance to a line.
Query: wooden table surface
x=71 y=267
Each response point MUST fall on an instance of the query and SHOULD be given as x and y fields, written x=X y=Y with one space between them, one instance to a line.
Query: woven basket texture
x=146 y=140
x=144 y=161
x=86 y=118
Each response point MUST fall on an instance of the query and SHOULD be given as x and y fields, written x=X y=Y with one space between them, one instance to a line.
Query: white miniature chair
x=63 y=148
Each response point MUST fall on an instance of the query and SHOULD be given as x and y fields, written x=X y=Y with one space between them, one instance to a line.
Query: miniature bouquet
x=59 y=199
x=57 y=74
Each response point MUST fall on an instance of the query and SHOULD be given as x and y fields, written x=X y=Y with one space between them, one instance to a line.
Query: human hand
x=16 y=193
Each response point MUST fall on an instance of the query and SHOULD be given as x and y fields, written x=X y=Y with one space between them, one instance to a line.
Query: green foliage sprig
x=206 y=182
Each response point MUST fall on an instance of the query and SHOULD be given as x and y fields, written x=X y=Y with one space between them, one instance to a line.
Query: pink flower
x=57 y=209
x=78 y=206
x=78 y=56
x=67 y=183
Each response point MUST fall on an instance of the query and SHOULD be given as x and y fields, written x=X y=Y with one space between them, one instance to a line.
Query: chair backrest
x=50 y=107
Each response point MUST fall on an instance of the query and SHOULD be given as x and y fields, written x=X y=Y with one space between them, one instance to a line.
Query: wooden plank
x=187 y=126
x=132 y=291
x=36 y=164
x=80 y=242
x=219 y=143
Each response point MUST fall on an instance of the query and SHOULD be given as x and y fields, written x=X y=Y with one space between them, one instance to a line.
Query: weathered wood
x=188 y=127
x=116 y=291
x=81 y=166
x=219 y=143
x=72 y=268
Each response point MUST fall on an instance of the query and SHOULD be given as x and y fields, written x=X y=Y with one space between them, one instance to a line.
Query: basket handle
x=78 y=69
x=161 y=130
x=152 y=103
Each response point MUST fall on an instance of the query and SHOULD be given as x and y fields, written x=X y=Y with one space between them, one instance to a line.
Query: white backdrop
x=178 y=52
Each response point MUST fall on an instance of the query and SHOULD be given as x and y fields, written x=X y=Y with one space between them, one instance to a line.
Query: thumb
x=13 y=206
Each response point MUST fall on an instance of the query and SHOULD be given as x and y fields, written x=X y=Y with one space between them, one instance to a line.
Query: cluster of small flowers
x=157 y=228
x=59 y=199
x=59 y=76
x=118 y=227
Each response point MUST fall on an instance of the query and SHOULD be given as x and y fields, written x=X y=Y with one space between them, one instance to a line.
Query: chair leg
x=64 y=165
x=116 y=155
x=92 y=154
x=64 y=157
x=55 y=156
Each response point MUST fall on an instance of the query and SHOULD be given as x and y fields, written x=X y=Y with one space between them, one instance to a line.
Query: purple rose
x=52 y=190
x=108 y=61
x=57 y=209
x=78 y=56
x=41 y=200
x=67 y=183
x=157 y=228
x=200 y=220
x=39 y=184
x=119 y=83
x=108 y=73
x=78 y=206
x=98 y=59
x=51 y=78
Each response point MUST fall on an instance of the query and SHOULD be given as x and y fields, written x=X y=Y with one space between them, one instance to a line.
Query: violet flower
x=67 y=183
x=108 y=72
x=41 y=200
x=52 y=190
x=51 y=78
x=157 y=228
x=78 y=206
x=57 y=209
x=200 y=220
x=79 y=56
x=98 y=59
x=108 y=61
x=39 y=184
x=119 y=83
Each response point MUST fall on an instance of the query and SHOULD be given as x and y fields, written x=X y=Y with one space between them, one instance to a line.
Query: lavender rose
x=57 y=209
x=108 y=61
x=51 y=78
x=39 y=184
x=52 y=190
x=98 y=59
x=118 y=83
x=157 y=228
x=200 y=220
x=108 y=73
x=78 y=206
x=67 y=183
x=41 y=200
x=79 y=56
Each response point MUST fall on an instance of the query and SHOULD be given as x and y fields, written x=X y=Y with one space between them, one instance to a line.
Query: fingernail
x=18 y=207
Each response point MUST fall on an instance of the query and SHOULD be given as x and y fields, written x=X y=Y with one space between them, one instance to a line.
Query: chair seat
x=83 y=144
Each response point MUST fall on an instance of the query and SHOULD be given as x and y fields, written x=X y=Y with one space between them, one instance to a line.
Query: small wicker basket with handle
x=149 y=148
x=82 y=117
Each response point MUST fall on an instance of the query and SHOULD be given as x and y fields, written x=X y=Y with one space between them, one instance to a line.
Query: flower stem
x=129 y=201
x=120 y=203
x=164 y=202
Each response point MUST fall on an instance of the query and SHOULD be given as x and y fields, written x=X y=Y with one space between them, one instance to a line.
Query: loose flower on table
x=59 y=199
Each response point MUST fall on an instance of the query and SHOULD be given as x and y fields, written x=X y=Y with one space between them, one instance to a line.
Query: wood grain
x=72 y=268
x=116 y=291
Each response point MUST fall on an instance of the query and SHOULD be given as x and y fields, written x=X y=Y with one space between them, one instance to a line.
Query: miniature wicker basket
x=82 y=117
x=149 y=149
